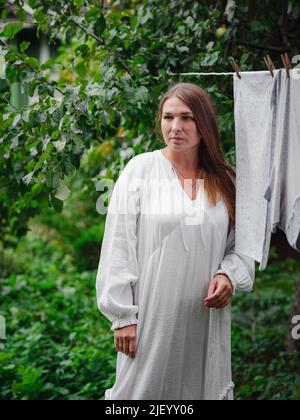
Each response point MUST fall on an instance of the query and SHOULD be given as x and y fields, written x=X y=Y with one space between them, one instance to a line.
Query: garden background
x=80 y=83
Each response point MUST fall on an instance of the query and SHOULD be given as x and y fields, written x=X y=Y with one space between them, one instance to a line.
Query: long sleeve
x=118 y=266
x=239 y=268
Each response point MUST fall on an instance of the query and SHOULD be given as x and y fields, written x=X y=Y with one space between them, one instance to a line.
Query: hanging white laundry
x=254 y=96
x=267 y=131
x=283 y=192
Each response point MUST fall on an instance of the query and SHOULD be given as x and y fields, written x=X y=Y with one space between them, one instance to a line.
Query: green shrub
x=59 y=346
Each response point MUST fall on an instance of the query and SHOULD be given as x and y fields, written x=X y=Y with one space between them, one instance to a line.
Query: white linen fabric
x=160 y=251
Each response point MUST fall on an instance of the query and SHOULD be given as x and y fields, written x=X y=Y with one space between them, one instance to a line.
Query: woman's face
x=178 y=125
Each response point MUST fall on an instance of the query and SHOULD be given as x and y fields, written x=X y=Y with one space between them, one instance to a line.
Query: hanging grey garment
x=283 y=192
x=267 y=147
x=254 y=102
x=155 y=267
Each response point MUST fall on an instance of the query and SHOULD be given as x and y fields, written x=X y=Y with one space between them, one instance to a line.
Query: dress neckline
x=163 y=157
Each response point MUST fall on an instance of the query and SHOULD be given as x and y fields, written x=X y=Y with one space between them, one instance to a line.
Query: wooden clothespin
x=235 y=67
x=287 y=59
x=270 y=64
x=286 y=63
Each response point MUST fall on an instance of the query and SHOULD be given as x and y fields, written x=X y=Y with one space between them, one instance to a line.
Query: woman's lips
x=176 y=140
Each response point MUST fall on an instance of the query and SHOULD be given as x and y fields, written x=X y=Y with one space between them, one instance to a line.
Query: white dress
x=159 y=252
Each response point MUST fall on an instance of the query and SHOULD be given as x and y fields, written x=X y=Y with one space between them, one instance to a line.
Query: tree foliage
x=113 y=64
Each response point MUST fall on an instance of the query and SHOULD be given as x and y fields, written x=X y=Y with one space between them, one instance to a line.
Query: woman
x=167 y=268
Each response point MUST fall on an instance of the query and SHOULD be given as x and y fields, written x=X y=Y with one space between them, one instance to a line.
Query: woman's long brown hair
x=218 y=175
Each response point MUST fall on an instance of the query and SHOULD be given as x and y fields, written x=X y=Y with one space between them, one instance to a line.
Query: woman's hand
x=219 y=292
x=125 y=340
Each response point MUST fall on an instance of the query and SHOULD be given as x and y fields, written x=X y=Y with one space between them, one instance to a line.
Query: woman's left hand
x=219 y=292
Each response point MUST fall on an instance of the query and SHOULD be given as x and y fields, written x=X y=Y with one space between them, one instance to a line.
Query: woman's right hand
x=125 y=340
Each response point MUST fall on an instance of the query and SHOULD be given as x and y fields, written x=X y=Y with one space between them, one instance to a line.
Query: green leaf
x=210 y=59
x=2 y=67
x=4 y=87
x=57 y=204
x=34 y=62
x=27 y=178
x=24 y=46
x=55 y=180
x=230 y=10
x=141 y=94
x=100 y=26
x=26 y=115
x=43 y=89
x=79 y=3
x=34 y=204
x=31 y=87
x=60 y=144
x=63 y=192
x=48 y=64
x=81 y=68
x=183 y=49
x=43 y=157
x=21 y=15
x=75 y=159
x=16 y=120
x=11 y=30
x=34 y=3
x=83 y=50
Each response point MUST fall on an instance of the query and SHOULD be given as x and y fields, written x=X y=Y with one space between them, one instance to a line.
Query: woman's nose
x=176 y=124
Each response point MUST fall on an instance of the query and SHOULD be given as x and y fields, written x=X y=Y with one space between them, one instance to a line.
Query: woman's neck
x=187 y=160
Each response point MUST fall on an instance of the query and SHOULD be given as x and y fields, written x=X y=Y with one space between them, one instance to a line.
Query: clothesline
x=201 y=74
x=268 y=61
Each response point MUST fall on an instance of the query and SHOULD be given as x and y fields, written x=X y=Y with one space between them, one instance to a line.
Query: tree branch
x=264 y=47
x=4 y=43
x=283 y=31
x=99 y=40
x=219 y=5
x=295 y=30
x=95 y=37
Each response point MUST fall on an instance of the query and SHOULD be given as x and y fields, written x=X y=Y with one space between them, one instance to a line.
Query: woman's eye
x=185 y=118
